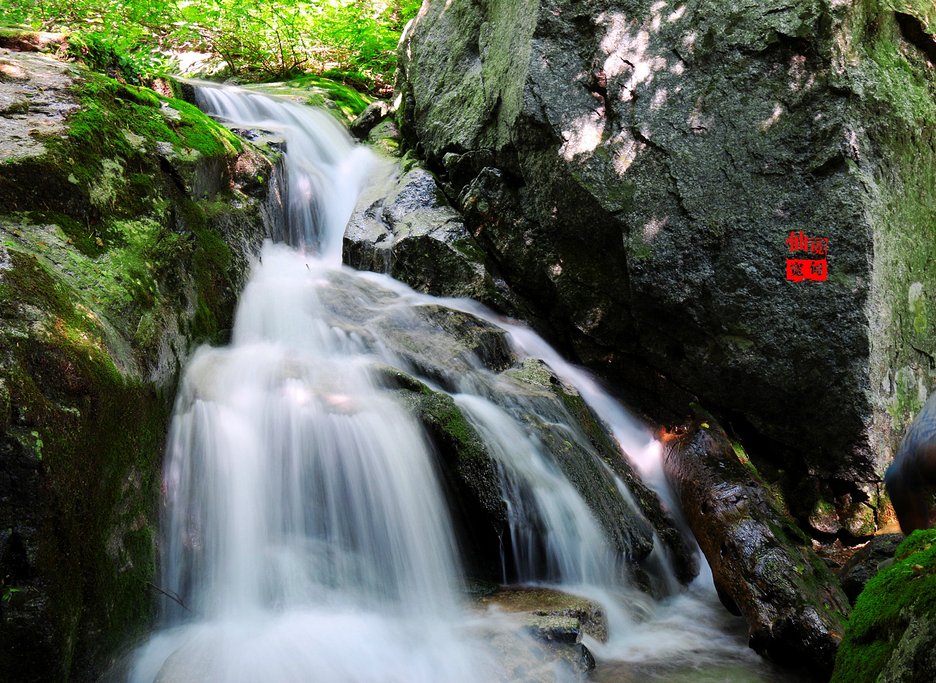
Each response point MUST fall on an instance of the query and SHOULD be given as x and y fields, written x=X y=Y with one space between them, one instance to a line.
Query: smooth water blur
x=325 y=169
x=305 y=532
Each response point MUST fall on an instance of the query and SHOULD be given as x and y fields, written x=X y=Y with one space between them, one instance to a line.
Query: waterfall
x=305 y=532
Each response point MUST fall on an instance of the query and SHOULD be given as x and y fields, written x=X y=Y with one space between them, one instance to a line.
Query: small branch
x=169 y=594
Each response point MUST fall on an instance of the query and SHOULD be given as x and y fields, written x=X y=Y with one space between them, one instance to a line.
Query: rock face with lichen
x=634 y=169
x=127 y=220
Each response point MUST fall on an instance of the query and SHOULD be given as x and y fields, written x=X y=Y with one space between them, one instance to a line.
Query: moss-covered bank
x=891 y=635
x=126 y=221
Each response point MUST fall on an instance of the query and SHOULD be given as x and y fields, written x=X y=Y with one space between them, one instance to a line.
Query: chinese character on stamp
x=799 y=269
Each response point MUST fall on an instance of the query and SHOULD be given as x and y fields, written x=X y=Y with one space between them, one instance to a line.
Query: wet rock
x=634 y=170
x=522 y=657
x=431 y=350
x=590 y=459
x=376 y=112
x=557 y=619
x=438 y=344
x=469 y=477
x=586 y=615
x=404 y=226
x=762 y=564
x=877 y=554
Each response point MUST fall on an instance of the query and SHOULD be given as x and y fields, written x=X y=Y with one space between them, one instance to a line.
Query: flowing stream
x=305 y=531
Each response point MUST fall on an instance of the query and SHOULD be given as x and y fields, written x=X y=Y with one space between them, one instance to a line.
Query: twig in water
x=169 y=594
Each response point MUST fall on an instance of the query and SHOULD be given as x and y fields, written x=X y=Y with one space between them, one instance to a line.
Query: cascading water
x=305 y=532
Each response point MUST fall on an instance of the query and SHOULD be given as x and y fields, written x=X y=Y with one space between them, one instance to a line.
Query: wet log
x=763 y=565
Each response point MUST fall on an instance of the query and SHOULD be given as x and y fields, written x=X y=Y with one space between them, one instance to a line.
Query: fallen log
x=763 y=565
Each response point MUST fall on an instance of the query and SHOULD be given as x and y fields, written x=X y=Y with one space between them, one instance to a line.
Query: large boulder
x=127 y=223
x=763 y=566
x=634 y=169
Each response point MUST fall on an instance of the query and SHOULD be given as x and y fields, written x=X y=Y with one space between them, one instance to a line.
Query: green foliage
x=9 y=592
x=103 y=53
x=135 y=40
x=38 y=444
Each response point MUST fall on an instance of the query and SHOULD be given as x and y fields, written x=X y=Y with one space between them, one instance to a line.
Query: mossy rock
x=340 y=100
x=467 y=471
x=125 y=232
x=891 y=634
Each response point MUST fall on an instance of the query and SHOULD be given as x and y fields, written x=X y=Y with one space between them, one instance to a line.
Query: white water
x=304 y=527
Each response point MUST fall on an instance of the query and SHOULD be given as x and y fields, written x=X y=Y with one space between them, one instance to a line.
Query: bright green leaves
x=351 y=40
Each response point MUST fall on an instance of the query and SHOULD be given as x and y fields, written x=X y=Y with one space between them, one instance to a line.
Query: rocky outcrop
x=634 y=170
x=431 y=351
x=405 y=227
x=127 y=222
x=763 y=566
x=891 y=634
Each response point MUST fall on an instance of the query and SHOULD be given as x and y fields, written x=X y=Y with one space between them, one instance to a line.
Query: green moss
x=201 y=133
x=823 y=507
x=118 y=250
x=319 y=91
x=114 y=166
x=98 y=431
x=923 y=10
x=532 y=372
x=442 y=408
x=886 y=606
x=906 y=400
x=638 y=248
x=470 y=249
x=900 y=97
x=439 y=413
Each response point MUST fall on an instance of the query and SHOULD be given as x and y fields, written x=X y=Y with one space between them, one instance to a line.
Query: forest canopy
x=350 y=40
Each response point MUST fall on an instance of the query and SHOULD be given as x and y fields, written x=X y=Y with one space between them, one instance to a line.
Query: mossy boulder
x=635 y=168
x=127 y=221
x=891 y=635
